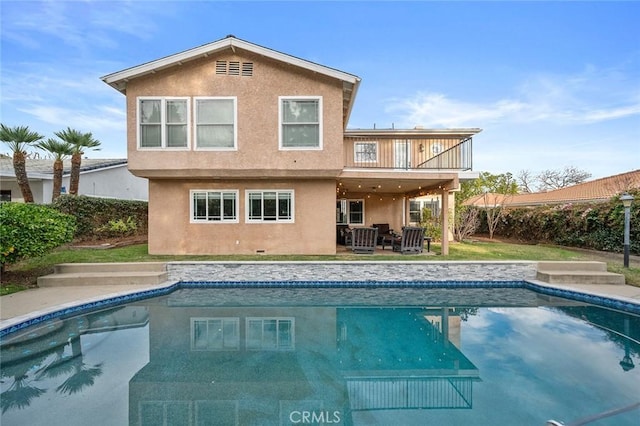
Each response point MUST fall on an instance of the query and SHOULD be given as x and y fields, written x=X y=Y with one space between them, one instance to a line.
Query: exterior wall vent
x=221 y=67
x=244 y=69
x=234 y=68
x=247 y=69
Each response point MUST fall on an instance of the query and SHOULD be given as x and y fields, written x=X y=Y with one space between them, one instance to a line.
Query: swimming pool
x=345 y=355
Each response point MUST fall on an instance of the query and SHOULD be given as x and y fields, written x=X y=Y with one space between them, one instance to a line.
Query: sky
x=552 y=84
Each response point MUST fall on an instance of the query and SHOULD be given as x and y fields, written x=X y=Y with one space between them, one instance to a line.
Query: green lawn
x=24 y=274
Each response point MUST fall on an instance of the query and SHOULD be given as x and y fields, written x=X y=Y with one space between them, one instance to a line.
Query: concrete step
x=77 y=268
x=103 y=278
x=572 y=266
x=580 y=277
x=100 y=274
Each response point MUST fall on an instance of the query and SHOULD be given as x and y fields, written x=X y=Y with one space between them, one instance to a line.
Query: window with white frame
x=300 y=122
x=214 y=206
x=365 y=152
x=270 y=206
x=216 y=123
x=350 y=212
x=415 y=211
x=163 y=123
x=215 y=334
x=270 y=334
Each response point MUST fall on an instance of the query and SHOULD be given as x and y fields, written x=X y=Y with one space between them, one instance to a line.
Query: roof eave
x=349 y=103
x=119 y=79
x=461 y=132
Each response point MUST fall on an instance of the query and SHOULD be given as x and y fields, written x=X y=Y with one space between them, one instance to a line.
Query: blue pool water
x=340 y=356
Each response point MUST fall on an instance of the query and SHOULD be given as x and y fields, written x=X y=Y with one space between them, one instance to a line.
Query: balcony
x=407 y=151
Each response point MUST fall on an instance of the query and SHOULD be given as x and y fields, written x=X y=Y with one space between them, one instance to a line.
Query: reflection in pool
x=327 y=356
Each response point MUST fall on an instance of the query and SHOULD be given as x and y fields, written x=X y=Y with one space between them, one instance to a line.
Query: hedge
x=596 y=226
x=104 y=217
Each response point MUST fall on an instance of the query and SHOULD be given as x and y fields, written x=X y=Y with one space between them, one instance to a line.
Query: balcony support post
x=445 y=221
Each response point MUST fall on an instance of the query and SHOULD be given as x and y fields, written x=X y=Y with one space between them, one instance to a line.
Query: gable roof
x=43 y=168
x=597 y=190
x=118 y=80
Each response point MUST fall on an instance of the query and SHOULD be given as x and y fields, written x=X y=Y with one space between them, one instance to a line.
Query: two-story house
x=247 y=151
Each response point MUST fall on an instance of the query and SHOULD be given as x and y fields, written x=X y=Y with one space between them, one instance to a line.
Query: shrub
x=104 y=216
x=119 y=227
x=31 y=230
x=431 y=224
x=596 y=226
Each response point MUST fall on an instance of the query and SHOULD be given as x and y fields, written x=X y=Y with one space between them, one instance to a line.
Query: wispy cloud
x=80 y=25
x=97 y=120
x=590 y=97
x=50 y=99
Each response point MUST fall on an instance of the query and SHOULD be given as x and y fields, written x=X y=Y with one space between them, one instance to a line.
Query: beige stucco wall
x=257 y=152
x=171 y=232
x=381 y=208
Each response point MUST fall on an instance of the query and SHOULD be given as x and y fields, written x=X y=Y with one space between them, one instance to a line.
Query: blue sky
x=552 y=84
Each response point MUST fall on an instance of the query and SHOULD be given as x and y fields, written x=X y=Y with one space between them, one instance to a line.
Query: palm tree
x=18 y=138
x=80 y=142
x=60 y=151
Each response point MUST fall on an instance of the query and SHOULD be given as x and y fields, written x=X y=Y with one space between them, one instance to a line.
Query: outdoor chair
x=385 y=234
x=342 y=231
x=411 y=241
x=363 y=240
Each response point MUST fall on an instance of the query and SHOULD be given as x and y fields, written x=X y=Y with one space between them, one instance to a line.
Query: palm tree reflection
x=50 y=365
x=22 y=391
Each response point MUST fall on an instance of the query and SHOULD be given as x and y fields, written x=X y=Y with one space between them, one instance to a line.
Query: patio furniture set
x=365 y=240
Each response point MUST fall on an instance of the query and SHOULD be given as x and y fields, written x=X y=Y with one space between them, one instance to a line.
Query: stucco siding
x=312 y=232
x=258 y=152
x=381 y=208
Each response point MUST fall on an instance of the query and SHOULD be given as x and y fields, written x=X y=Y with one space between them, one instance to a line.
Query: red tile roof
x=593 y=191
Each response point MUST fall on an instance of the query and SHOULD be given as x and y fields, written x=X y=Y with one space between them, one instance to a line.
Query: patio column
x=406 y=216
x=444 y=212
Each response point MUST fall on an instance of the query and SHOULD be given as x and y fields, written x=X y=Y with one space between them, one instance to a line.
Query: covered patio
x=384 y=169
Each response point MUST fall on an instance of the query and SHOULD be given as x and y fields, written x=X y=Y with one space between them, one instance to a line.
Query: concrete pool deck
x=20 y=307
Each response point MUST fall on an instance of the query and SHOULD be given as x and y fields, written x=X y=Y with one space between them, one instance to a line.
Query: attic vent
x=234 y=68
x=247 y=69
x=221 y=67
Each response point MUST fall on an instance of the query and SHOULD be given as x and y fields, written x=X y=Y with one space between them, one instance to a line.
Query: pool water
x=347 y=356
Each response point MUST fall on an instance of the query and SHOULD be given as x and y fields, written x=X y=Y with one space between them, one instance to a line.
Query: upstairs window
x=365 y=152
x=216 y=123
x=300 y=123
x=163 y=123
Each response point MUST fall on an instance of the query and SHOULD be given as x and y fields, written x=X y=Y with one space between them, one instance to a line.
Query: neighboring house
x=247 y=151
x=104 y=178
x=595 y=191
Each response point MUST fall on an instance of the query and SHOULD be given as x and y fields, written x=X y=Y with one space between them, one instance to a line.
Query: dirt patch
x=107 y=243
